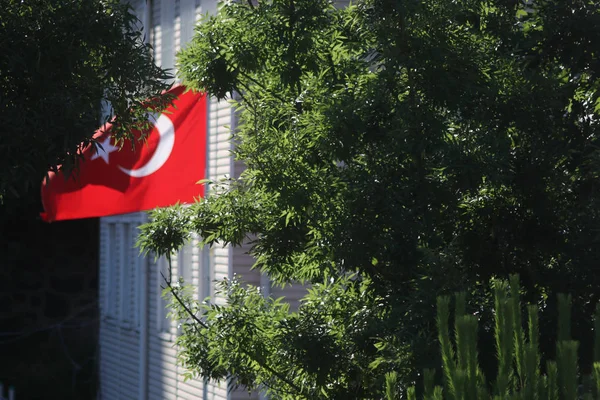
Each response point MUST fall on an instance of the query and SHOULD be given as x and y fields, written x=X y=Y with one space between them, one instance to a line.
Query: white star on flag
x=106 y=149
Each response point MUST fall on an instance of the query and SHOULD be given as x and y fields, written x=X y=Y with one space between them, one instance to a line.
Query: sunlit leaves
x=425 y=146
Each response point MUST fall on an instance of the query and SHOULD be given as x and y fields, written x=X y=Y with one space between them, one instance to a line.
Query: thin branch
x=182 y=304
x=245 y=100
x=282 y=377
x=275 y=373
x=170 y=271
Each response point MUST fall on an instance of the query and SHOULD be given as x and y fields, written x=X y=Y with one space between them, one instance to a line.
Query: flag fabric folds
x=161 y=172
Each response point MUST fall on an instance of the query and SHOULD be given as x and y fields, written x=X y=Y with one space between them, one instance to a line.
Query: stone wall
x=48 y=304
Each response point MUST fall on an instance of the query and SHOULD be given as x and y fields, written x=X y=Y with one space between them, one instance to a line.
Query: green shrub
x=520 y=375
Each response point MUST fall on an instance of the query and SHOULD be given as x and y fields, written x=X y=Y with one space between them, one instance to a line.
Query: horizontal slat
x=241 y=394
x=163 y=372
x=167 y=381
x=160 y=391
x=193 y=384
x=122 y=353
x=108 y=391
x=221 y=251
x=159 y=352
x=107 y=369
x=127 y=390
x=220 y=157
x=223 y=111
x=292 y=294
x=163 y=383
x=115 y=342
x=122 y=372
x=128 y=379
x=218 y=390
x=185 y=391
x=219 y=140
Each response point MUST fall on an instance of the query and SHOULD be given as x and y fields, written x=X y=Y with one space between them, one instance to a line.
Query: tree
x=66 y=67
x=396 y=151
x=519 y=373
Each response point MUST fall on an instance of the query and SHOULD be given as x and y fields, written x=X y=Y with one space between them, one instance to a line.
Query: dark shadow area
x=48 y=304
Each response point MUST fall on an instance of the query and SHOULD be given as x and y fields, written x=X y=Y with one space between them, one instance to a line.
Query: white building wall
x=122 y=369
x=130 y=368
x=219 y=168
x=177 y=19
x=119 y=298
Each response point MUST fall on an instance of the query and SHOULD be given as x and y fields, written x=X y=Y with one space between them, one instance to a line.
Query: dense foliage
x=65 y=66
x=396 y=150
x=519 y=371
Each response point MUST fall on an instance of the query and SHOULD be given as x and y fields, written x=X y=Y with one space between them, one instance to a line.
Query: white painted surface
x=120 y=278
x=137 y=353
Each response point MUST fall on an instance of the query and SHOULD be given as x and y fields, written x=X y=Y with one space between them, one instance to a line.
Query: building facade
x=137 y=340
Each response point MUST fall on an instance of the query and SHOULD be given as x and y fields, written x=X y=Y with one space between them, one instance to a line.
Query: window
x=155 y=31
x=206 y=274
x=198 y=13
x=185 y=263
x=190 y=264
x=177 y=26
x=122 y=264
x=130 y=265
x=194 y=269
x=112 y=270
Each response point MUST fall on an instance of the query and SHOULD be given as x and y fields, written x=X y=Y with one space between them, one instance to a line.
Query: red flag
x=160 y=173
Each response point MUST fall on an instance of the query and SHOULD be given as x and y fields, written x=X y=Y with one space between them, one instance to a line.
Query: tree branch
x=261 y=364
x=182 y=304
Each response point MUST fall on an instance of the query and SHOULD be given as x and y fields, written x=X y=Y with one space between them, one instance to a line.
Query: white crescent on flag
x=166 y=132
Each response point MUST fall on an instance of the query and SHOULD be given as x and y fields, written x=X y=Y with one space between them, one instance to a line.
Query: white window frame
x=185 y=263
x=110 y=260
x=122 y=286
x=124 y=235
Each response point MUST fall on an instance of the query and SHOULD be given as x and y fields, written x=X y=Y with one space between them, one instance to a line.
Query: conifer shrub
x=520 y=373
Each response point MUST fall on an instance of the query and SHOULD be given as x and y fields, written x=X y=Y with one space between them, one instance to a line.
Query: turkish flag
x=159 y=173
